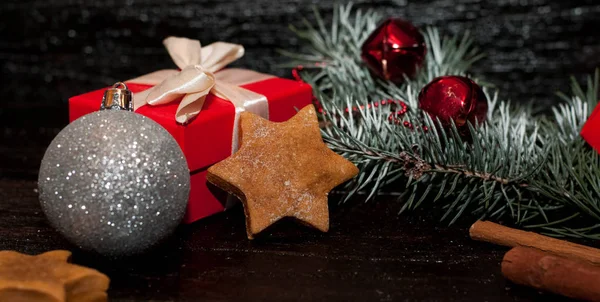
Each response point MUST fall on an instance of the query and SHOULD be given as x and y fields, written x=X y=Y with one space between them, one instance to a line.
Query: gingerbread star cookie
x=48 y=277
x=282 y=170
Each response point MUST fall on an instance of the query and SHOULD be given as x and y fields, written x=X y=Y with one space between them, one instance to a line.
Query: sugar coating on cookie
x=49 y=277
x=282 y=170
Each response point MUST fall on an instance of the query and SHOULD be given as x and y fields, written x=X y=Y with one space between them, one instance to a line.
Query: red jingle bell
x=454 y=98
x=396 y=48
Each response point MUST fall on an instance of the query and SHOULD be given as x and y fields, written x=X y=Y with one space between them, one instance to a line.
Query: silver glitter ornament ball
x=114 y=182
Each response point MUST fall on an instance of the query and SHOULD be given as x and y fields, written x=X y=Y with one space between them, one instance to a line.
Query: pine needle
x=532 y=169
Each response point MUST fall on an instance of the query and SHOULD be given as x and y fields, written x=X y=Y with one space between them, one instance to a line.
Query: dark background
x=51 y=50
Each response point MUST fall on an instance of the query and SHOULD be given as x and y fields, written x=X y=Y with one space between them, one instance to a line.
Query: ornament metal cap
x=118 y=97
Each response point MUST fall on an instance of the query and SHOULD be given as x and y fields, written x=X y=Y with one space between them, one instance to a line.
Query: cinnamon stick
x=559 y=275
x=498 y=234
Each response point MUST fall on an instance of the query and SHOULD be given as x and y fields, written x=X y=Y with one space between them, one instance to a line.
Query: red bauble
x=454 y=98
x=394 y=49
x=590 y=132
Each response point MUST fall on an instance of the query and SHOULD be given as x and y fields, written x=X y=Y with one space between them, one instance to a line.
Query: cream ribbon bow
x=199 y=77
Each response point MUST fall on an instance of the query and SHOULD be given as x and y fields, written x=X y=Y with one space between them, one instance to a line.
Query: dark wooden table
x=370 y=254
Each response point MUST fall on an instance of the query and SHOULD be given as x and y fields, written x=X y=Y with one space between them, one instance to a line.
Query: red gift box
x=590 y=132
x=207 y=139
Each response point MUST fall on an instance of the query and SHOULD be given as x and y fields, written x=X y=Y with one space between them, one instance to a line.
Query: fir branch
x=532 y=170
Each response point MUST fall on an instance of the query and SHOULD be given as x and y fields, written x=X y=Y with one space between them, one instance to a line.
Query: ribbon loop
x=197 y=79
x=184 y=51
x=192 y=79
x=217 y=55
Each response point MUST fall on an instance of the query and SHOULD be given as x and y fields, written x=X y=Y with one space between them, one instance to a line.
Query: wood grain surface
x=370 y=254
x=51 y=50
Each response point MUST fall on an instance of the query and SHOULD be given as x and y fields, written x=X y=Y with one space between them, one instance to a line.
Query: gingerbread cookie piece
x=48 y=277
x=282 y=170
